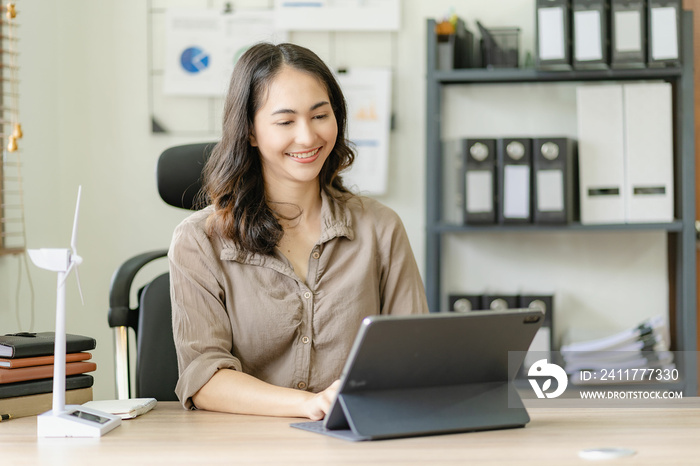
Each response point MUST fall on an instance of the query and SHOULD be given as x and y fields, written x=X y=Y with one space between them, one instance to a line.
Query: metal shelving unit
x=681 y=232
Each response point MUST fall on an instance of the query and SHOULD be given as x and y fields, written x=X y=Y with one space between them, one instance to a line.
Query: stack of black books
x=26 y=372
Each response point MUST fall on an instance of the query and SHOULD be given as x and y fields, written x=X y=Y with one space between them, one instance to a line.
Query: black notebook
x=35 y=387
x=24 y=345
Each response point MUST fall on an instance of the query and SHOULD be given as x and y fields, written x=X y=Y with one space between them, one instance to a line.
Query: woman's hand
x=318 y=405
x=232 y=391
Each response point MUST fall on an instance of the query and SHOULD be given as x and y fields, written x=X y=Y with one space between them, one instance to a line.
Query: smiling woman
x=270 y=282
x=294 y=131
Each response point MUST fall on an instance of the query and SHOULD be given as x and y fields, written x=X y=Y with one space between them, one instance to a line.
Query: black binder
x=431 y=374
x=555 y=180
x=456 y=50
x=553 y=26
x=499 y=302
x=545 y=303
x=514 y=166
x=591 y=33
x=479 y=181
x=464 y=302
x=628 y=35
x=664 y=42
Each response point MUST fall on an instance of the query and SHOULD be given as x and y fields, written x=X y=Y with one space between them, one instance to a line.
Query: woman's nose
x=305 y=134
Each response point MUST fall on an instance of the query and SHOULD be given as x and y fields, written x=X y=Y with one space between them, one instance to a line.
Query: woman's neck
x=298 y=203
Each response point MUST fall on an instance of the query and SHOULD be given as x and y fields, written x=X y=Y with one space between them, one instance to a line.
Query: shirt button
x=305 y=340
x=301 y=385
x=315 y=255
x=307 y=295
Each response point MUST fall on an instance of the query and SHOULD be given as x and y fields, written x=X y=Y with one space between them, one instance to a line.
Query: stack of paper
x=641 y=347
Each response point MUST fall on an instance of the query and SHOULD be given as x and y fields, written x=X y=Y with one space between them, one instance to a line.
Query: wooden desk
x=169 y=435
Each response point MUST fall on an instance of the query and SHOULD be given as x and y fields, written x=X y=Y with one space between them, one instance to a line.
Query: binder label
x=587 y=35
x=628 y=33
x=603 y=192
x=650 y=190
x=551 y=33
x=550 y=190
x=664 y=33
x=516 y=191
x=479 y=191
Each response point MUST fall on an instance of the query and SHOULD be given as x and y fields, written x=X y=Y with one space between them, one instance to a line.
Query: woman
x=270 y=282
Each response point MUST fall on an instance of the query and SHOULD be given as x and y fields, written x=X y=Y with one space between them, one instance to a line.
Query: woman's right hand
x=318 y=405
x=231 y=391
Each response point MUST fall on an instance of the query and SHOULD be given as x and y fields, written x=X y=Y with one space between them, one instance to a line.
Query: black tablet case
x=430 y=374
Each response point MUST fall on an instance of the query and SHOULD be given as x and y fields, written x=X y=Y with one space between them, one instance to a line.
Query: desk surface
x=170 y=435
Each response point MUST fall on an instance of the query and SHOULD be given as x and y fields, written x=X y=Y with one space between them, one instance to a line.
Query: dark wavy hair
x=233 y=180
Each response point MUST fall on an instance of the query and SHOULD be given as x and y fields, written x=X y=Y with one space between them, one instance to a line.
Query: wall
x=85 y=113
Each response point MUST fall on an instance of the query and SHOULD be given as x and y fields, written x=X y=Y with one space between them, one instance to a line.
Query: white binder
x=601 y=153
x=649 y=152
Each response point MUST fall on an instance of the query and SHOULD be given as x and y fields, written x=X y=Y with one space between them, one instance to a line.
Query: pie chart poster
x=201 y=47
x=193 y=55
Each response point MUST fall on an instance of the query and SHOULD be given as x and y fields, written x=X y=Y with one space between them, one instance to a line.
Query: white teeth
x=306 y=154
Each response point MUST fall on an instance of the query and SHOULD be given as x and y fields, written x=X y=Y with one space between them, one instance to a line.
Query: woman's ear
x=252 y=140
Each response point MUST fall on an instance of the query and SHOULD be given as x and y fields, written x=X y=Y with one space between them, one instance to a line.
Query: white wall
x=84 y=109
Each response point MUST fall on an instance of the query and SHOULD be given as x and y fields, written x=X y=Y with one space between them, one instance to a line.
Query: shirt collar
x=336 y=221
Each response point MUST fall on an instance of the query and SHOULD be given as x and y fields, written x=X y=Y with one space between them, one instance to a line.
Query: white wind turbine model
x=71 y=420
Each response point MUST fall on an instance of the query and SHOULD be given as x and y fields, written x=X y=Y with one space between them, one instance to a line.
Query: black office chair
x=178 y=176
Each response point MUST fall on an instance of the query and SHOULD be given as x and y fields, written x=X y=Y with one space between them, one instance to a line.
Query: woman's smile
x=307 y=156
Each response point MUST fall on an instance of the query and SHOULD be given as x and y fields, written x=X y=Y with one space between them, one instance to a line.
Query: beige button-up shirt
x=252 y=313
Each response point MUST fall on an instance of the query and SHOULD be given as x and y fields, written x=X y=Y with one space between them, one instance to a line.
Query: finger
x=333 y=388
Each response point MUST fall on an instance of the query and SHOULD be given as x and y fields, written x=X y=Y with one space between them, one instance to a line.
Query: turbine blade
x=73 y=264
x=80 y=290
x=74 y=237
x=65 y=277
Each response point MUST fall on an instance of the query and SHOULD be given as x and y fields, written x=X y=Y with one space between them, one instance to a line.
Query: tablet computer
x=430 y=374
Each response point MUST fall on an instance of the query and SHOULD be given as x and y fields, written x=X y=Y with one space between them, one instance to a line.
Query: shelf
x=676 y=226
x=530 y=75
x=681 y=235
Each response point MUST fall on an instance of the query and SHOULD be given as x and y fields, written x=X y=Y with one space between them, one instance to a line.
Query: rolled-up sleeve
x=201 y=325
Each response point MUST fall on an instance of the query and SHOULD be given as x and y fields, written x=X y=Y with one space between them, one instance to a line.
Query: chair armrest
x=120 y=314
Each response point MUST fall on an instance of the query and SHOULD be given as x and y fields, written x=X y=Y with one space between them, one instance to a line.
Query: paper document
x=368 y=95
x=126 y=409
x=338 y=15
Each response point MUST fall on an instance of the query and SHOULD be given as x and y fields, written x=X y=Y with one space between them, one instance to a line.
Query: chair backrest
x=156 y=362
x=178 y=176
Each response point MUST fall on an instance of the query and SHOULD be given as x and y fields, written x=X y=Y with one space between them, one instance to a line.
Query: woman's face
x=295 y=129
